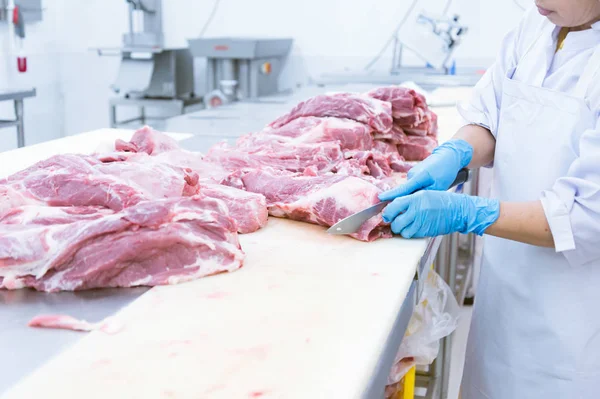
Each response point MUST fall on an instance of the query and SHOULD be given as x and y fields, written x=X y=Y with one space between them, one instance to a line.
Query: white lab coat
x=536 y=325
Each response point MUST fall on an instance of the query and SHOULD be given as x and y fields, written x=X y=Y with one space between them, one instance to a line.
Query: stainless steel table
x=16 y=95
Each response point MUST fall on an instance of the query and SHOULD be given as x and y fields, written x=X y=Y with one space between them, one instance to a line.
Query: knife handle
x=461 y=177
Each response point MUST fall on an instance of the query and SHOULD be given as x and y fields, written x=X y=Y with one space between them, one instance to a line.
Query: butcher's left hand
x=433 y=213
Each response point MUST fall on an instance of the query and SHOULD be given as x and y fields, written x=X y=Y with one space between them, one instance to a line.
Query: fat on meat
x=192 y=163
x=351 y=135
x=249 y=210
x=395 y=135
x=372 y=163
x=66 y=180
x=322 y=200
x=361 y=108
x=288 y=157
x=426 y=127
x=79 y=180
x=66 y=322
x=151 y=243
x=405 y=102
x=395 y=160
x=149 y=141
x=417 y=148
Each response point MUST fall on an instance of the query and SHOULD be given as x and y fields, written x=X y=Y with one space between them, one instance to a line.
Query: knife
x=352 y=223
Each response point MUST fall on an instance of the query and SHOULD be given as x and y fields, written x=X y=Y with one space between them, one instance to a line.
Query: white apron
x=535 y=332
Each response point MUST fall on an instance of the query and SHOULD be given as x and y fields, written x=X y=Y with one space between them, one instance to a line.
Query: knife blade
x=352 y=223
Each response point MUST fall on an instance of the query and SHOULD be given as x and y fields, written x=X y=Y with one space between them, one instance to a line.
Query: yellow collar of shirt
x=562 y=35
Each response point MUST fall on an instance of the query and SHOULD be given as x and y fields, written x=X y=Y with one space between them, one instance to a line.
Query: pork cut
x=79 y=180
x=395 y=135
x=249 y=210
x=151 y=213
x=351 y=135
x=406 y=103
x=151 y=243
x=417 y=148
x=359 y=163
x=290 y=157
x=322 y=200
x=149 y=141
x=361 y=108
x=65 y=322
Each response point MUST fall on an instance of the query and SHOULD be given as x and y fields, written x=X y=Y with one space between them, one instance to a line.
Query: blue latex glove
x=436 y=172
x=435 y=213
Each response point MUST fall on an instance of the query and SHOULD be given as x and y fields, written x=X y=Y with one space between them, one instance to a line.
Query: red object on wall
x=22 y=64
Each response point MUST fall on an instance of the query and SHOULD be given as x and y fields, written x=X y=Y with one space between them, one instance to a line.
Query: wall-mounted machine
x=433 y=39
x=240 y=68
x=150 y=74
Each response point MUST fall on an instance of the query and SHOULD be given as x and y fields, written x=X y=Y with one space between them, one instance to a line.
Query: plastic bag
x=434 y=318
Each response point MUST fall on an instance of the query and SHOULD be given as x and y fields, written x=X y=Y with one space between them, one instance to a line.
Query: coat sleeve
x=572 y=206
x=483 y=108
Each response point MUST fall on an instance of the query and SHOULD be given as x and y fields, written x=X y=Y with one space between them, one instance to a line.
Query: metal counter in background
x=17 y=96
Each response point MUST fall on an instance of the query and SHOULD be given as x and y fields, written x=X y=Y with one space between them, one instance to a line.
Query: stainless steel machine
x=240 y=68
x=150 y=74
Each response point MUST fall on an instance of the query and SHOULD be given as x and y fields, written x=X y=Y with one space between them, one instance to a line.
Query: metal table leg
x=445 y=265
x=20 y=125
x=442 y=266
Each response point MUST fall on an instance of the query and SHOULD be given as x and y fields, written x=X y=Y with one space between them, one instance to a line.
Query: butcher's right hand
x=436 y=172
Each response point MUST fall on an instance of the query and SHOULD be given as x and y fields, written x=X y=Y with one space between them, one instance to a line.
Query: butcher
x=534 y=116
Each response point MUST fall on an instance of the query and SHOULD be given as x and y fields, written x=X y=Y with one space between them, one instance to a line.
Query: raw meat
x=190 y=162
x=405 y=102
x=152 y=213
x=66 y=180
x=398 y=163
x=350 y=134
x=249 y=210
x=19 y=218
x=65 y=322
x=433 y=126
x=149 y=141
x=377 y=114
x=396 y=135
x=78 y=180
x=409 y=110
x=290 y=157
x=158 y=180
x=322 y=200
x=427 y=127
x=151 y=243
x=371 y=163
x=417 y=148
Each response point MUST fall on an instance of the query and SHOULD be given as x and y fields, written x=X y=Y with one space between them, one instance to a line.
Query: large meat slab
x=149 y=212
